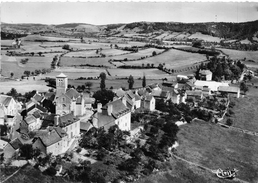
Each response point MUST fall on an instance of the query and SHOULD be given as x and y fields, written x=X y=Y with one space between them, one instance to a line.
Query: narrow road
x=240 y=130
x=205 y=168
x=11 y=175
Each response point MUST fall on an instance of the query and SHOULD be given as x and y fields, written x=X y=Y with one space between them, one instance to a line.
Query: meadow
x=172 y=59
x=138 y=55
x=204 y=37
x=136 y=73
x=11 y=65
x=237 y=54
x=215 y=147
x=68 y=61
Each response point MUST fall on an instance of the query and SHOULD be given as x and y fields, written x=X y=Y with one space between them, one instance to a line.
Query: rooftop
x=67 y=119
x=205 y=72
x=119 y=109
x=5 y=100
x=61 y=75
x=229 y=89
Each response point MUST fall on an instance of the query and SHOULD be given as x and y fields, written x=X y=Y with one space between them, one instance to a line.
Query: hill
x=239 y=31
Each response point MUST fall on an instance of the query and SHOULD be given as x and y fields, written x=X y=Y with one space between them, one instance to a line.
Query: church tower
x=61 y=84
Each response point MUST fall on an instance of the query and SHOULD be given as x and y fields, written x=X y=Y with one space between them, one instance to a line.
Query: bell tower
x=61 y=84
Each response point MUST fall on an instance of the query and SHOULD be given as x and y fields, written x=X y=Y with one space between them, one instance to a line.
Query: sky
x=100 y=13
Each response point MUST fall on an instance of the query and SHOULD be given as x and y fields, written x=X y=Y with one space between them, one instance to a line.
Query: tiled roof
x=148 y=98
x=38 y=97
x=164 y=94
x=137 y=97
x=48 y=120
x=67 y=119
x=104 y=120
x=79 y=100
x=50 y=139
x=30 y=119
x=119 y=92
x=130 y=94
x=156 y=93
x=50 y=96
x=5 y=100
x=155 y=85
x=229 y=89
x=36 y=114
x=61 y=75
x=89 y=100
x=193 y=93
x=85 y=126
x=51 y=135
x=39 y=107
x=205 y=72
x=72 y=93
x=119 y=109
x=16 y=143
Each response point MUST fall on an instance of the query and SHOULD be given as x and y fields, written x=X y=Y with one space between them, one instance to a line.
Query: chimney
x=124 y=101
x=99 y=106
x=56 y=120
x=110 y=109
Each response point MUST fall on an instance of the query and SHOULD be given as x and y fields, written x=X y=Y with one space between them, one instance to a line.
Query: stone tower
x=61 y=84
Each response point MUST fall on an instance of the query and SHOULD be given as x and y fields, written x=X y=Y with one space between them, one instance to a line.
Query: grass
x=136 y=73
x=172 y=59
x=18 y=69
x=237 y=54
x=204 y=37
x=215 y=147
x=43 y=38
x=245 y=113
x=67 y=61
x=29 y=174
x=74 y=73
x=139 y=54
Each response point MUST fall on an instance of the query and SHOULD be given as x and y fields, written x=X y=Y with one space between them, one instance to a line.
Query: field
x=68 y=61
x=43 y=38
x=136 y=73
x=216 y=147
x=24 y=85
x=246 y=113
x=90 y=53
x=172 y=59
x=139 y=54
x=237 y=54
x=204 y=37
x=18 y=69
x=74 y=73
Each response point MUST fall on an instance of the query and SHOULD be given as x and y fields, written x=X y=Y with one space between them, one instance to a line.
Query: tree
x=154 y=53
x=104 y=96
x=26 y=151
x=32 y=53
x=243 y=87
x=229 y=122
x=11 y=74
x=88 y=84
x=13 y=92
x=143 y=81
x=27 y=73
x=130 y=81
x=197 y=44
x=102 y=82
x=40 y=53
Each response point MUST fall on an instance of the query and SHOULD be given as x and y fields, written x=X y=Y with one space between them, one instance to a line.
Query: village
x=76 y=126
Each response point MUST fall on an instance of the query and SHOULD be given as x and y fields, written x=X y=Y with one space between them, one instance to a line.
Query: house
x=229 y=90
x=36 y=108
x=70 y=124
x=12 y=148
x=205 y=75
x=52 y=140
x=32 y=121
x=178 y=96
x=37 y=99
x=10 y=106
x=213 y=85
x=113 y=113
x=149 y=102
x=195 y=95
x=68 y=100
x=181 y=78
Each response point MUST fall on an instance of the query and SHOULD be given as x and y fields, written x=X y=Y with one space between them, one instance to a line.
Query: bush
x=229 y=122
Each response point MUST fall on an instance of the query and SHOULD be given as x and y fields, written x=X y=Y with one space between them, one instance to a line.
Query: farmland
x=204 y=37
x=236 y=54
x=172 y=59
x=13 y=65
